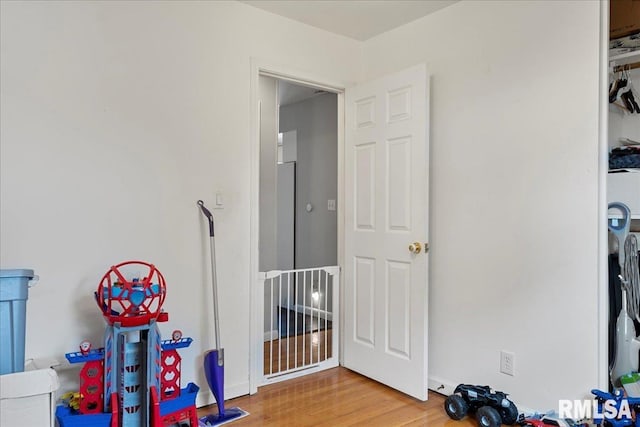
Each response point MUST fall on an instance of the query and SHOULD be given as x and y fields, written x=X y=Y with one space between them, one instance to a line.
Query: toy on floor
x=492 y=408
x=615 y=409
x=134 y=381
x=546 y=420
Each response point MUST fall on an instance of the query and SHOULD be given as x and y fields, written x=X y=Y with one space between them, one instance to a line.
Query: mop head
x=230 y=415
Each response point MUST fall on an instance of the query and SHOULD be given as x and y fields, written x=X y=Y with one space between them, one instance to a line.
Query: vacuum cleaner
x=627 y=345
x=214 y=359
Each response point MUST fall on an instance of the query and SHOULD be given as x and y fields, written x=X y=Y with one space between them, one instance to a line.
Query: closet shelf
x=625 y=58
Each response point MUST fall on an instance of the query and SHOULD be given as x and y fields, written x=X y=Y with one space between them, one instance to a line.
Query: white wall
x=514 y=161
x=118 y=116
x=286 y=190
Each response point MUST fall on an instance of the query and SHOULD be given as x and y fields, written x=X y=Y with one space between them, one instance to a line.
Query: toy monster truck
x=492 y=408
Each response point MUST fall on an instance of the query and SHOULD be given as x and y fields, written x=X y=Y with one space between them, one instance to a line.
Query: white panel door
x=386 y=208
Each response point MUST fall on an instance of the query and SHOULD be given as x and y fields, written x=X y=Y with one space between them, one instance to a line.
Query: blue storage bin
x=14 y=291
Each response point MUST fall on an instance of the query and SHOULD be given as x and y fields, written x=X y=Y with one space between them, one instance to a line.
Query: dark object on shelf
x=492 y=408
x=624 y=158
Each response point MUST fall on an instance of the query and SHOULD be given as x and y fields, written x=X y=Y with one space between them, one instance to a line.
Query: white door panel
x=386 y=208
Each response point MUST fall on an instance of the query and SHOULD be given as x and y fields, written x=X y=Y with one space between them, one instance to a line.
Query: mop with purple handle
x=214 y=359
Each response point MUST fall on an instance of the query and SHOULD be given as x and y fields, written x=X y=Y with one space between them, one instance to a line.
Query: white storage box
x=27 y=399
x=624 y=187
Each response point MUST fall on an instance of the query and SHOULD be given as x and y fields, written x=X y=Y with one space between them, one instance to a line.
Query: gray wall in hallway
x=316 y=121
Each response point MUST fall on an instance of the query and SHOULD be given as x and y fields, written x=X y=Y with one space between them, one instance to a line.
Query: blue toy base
x=68 y=418
x=186 y=399
x=230 y=414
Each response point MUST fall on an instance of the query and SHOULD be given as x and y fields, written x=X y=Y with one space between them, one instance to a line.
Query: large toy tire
x=456 y=407
x=509 y=414
x=488 y=417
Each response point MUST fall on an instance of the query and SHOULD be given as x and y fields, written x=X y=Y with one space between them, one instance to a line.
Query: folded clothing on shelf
x=624 y=157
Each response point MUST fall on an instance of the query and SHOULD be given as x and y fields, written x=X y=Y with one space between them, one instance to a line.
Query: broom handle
x=214 y=280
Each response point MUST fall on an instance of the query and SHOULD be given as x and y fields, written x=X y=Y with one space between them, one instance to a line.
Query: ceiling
x=356 y=19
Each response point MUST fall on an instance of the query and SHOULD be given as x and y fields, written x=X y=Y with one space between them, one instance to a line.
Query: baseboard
x=205 y=397
x=271 y=335
x=526 y=410
x=446 y=388
x=441 y=386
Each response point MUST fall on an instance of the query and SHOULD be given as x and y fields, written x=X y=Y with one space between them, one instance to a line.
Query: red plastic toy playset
x=134 y=380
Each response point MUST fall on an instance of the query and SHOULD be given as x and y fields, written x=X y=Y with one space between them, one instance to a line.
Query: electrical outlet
x=507 y=363
x=331 y=204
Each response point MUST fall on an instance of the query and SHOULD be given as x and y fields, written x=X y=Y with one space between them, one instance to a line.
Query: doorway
x=298 y=285
x=399 y=101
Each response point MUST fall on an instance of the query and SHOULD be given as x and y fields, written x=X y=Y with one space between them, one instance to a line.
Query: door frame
x=603 y=231
x=260 y=67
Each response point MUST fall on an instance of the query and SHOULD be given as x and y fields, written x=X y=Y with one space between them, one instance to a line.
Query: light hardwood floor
x=338 y=397
x=304 y=349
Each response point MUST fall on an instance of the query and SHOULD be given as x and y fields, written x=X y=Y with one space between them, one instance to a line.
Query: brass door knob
x=415 y=247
